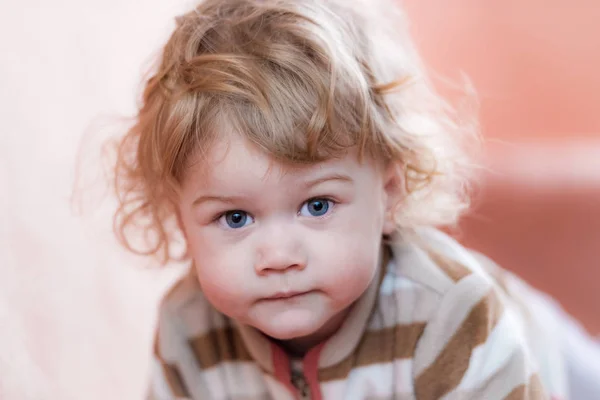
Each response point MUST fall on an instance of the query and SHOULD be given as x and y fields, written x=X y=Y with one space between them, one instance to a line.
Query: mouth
x=286 y=295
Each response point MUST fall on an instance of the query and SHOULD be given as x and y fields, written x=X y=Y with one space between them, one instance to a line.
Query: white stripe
x=542 y=316
x=506 y=338
x=392 y=283
x=455 y=251
x=413 y=303
x=158 y=386
x=450 y=315
x=276 y=389
x=231 y=379
x=372 y=381
x=414 y=263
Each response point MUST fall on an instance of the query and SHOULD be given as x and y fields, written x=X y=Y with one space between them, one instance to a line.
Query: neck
x=298 y=347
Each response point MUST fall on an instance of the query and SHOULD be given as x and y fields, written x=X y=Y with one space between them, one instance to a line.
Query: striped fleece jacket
x=438 y=322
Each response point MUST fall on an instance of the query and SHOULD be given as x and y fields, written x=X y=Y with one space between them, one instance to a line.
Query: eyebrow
x=307 y=185
x=221 y=199
x=327 y=178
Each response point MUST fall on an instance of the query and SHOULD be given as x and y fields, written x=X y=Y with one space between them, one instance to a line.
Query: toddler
x=302 y=153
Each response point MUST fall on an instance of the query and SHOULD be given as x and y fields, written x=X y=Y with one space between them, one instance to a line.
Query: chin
x=287 y=334
x=287 y=327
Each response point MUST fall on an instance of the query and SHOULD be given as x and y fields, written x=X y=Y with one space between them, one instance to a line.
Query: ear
x=393 y=186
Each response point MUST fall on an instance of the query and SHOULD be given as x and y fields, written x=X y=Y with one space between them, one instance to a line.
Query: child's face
x=283 y=249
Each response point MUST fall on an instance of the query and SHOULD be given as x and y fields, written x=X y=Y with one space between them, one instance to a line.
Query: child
x=303 y=155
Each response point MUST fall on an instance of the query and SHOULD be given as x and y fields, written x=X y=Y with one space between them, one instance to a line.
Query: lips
x=285 y=295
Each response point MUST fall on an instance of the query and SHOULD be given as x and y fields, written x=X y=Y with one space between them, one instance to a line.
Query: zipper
x=300 y=382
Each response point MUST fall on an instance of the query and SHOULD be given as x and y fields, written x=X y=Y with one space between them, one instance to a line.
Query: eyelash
x=325 y=198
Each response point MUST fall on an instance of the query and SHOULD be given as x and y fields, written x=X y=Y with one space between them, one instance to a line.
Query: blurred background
x=534 y=66
x=76 y=312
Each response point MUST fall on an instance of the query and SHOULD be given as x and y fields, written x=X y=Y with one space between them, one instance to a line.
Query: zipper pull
x=300 y=383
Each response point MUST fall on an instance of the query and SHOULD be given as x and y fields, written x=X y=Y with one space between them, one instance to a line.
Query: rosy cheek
x=215 y=291
x=221 y=288
x=214 y=273
x=220 y=268
x=348 y=273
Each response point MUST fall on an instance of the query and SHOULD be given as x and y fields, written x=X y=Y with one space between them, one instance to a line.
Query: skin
x=284 y=249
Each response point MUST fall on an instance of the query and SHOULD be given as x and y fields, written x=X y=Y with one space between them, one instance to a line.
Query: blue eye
x=236 y=219
x=315 y=207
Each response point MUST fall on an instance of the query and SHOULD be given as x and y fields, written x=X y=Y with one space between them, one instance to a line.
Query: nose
x=279 y=250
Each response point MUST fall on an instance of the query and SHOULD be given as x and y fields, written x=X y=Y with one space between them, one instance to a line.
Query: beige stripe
x=156 y=347
x=174 y=380
x=217 y=346
x=452 y=362
x=170 y=372
x=453 y=309
x=258 y=346
x=374 y=349
x=533 y=391
x=455 y=270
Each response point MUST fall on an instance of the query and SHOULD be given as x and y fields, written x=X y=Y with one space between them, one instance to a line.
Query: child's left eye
x=316 y=207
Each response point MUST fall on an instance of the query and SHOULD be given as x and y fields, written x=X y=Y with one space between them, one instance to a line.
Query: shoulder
x=476 y=336
x=432 y=280
x=184 y=311
x=434 y=259
x=170 y=337
x=186 y=318
x=437 y=267
x=185 y=326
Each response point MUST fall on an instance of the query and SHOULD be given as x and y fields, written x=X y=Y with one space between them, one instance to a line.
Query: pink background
x=76 y=315
x=534 y=65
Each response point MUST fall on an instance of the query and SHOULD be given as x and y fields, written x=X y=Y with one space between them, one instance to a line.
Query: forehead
x=235 y=161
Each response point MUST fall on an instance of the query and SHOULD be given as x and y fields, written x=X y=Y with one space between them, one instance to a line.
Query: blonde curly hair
x=303 y=80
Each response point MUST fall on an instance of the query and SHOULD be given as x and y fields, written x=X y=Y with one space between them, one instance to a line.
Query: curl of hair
x=303 y=80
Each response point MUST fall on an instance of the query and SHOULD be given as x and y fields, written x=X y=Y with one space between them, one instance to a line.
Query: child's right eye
x=235 y=219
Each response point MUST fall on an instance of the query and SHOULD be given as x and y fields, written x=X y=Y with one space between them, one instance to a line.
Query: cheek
x=218 y=274
x=349 y=278
x=346 y=262
x=349 y=252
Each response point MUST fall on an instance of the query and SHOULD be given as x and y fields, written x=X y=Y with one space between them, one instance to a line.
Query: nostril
x=278 y=268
